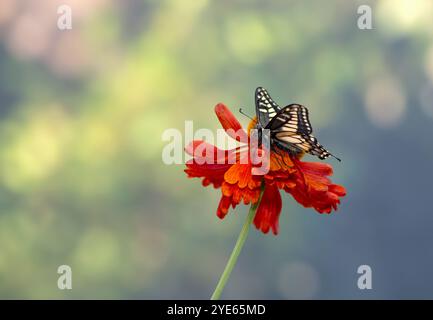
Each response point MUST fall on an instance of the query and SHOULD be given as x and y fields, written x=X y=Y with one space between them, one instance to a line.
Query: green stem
x=237 y=249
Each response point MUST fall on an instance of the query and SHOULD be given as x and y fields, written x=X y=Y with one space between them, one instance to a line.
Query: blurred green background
x=82 y=112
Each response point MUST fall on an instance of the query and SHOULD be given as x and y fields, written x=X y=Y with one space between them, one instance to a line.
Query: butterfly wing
x=266 y=108
x=291 y=130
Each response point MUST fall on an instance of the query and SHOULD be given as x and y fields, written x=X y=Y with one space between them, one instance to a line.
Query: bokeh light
x=385 y=102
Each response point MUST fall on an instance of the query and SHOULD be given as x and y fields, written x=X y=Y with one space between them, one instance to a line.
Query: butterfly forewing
x=266 y=108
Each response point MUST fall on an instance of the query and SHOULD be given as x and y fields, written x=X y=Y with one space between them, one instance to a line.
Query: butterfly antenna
x=242 y=112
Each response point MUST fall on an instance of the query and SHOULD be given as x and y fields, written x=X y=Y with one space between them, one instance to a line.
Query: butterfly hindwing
x=291 y=130
x=266 y=108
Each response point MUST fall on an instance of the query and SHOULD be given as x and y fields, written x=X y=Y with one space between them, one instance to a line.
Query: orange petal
x=281 y=160
x=237 y=172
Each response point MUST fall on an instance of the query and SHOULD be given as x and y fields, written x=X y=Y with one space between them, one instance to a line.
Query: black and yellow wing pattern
x=290 y=126
x=266 y=108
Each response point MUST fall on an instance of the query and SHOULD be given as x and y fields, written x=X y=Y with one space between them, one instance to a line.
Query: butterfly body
x=290 y=127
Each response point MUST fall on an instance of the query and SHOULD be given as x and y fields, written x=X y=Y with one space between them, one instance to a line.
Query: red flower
x=231 y=170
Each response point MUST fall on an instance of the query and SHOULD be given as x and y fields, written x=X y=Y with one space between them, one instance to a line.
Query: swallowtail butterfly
x=290 y=127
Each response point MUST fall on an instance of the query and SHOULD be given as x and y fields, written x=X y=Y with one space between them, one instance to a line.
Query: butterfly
x=290 y=127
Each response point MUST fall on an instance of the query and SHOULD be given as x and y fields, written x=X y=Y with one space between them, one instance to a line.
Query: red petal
x=316 y=168
x=337 y=189
x=211 y=173
x=314 y=189
x=209 y=162
x=230 y=123
x=204 y=152
x=269 y=210
x=223 y=207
